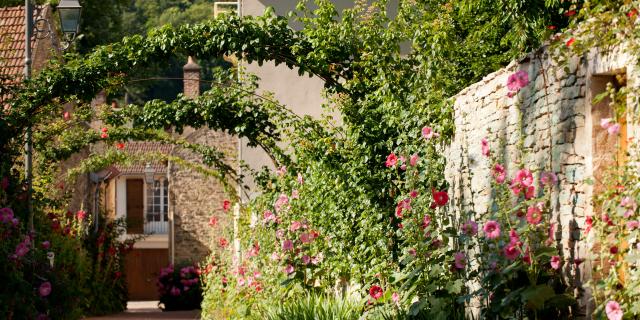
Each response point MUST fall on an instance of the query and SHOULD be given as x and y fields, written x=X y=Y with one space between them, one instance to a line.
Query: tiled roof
x=12 y=42
x=137 y=147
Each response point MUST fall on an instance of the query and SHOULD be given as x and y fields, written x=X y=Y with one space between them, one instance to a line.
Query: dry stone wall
x=547 y=126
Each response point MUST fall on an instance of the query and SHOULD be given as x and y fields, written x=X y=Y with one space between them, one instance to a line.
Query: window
x=158 y=201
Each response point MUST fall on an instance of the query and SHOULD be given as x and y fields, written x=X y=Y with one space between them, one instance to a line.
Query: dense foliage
x=340 y=214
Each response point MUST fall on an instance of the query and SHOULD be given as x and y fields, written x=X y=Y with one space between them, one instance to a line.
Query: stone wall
x=548 y=126
x=194 y=198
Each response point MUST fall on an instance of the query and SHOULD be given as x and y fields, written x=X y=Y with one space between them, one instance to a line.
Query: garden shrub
x=179 y=287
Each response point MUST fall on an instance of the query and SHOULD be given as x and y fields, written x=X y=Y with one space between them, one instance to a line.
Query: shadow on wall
x=189 y=246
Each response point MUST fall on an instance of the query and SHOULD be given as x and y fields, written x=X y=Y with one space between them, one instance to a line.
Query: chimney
x=191 y=78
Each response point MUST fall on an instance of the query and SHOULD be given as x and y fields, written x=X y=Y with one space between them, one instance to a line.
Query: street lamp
x=69 y=16
x=148 y=174
x=69 y=20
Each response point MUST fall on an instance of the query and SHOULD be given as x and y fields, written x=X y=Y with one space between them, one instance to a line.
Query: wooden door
x=135 y=206
x=142 y=267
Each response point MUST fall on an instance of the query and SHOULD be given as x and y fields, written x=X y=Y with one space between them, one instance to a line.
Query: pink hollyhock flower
x=305 y=259
x=534 y=214
x=295 y=225
x=255 y=250
x=275 y=256
x=613 y=310
x=305 y=238
x=491 y=229
x=631 y=225
x=104 y=135
x=499 y=173
x=287 y=245
x=426 y=221
x=213 y=221
x=413 y=160
x=395 y=297
x=628 y=202
x=392 y=160
x=282 y=201
x=605 y=123
x=485 y=147
x=413 y=194
x=412 y=251
x=518 y=80
x=241 y=282
x=66 y=116
x=289 y=269
x=440 y=198
x=514 y=238
x=614 y=129
x=470 y=228
x=295 y=194
x=529 y=192
x=46 y=245
x=511 y=251
x=428 y=133
x=548 y=178
x=300 y=178
x=460 y=260
x=45 y=289
x=375 y=292
x=175 y=291
x=555 y=262
x=524 y=177
x=268 y=216
x=279 y=233
x=22 y=248
x=223 y=242
x=281 y=171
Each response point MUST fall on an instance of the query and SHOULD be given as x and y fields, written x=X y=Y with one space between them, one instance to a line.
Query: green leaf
x=535 y=296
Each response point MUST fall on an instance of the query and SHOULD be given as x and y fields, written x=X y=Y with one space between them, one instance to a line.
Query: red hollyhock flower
x=570 y=13
x=80 y=215
x=226 y=205
x=571 y=41
x=120 y=145
x=440 y=198
x=375 y=292
x=223 y=242
x=632 y=13
x=551 y=27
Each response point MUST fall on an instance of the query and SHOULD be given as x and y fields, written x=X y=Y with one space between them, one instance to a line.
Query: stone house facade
x=173 y=209
x=550 y=125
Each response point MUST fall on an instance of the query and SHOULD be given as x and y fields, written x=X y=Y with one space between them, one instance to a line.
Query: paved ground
x=148 y=310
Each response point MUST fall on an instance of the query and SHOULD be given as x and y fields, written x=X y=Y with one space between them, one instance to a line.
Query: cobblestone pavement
x=148 y=310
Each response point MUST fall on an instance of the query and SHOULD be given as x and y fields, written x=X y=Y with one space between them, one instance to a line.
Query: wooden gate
x=142 y=269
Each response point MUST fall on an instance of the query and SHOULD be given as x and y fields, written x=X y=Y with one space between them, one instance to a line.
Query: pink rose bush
x=179 y=287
